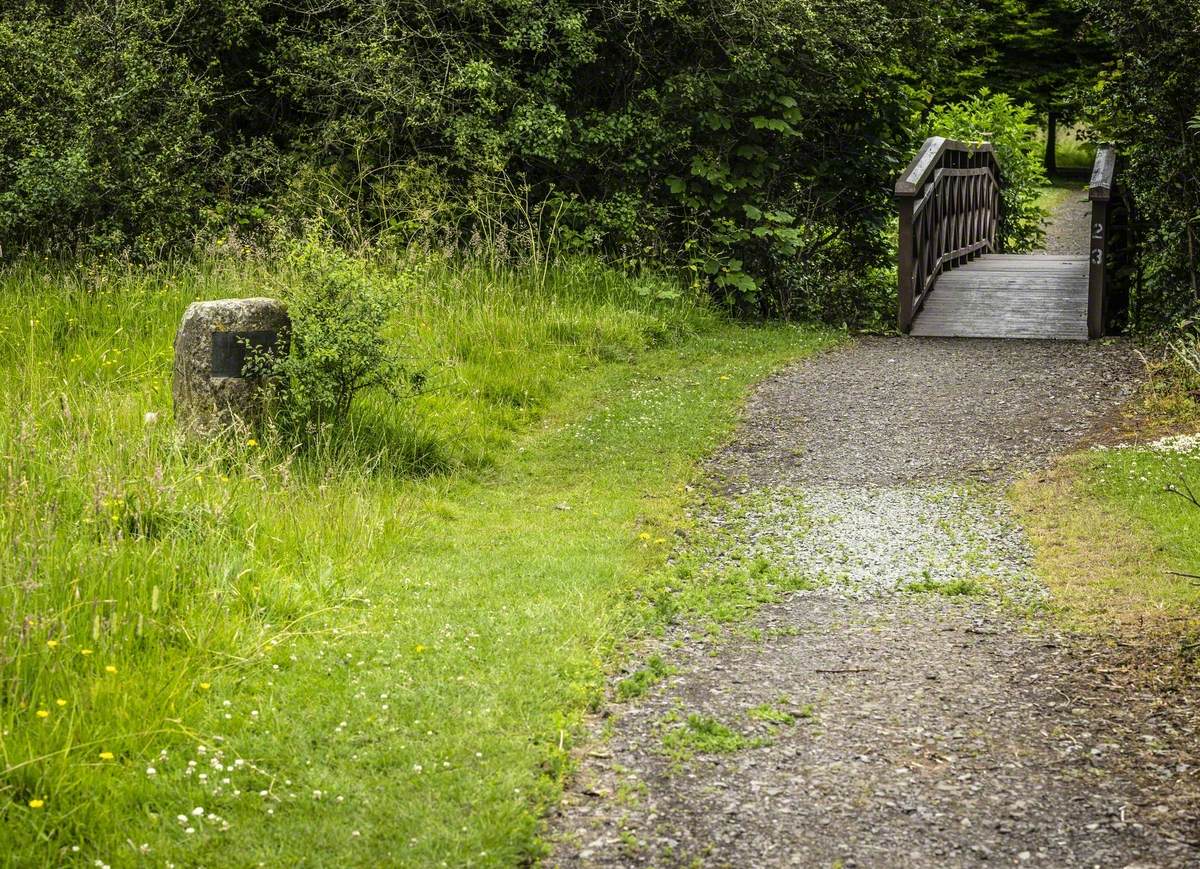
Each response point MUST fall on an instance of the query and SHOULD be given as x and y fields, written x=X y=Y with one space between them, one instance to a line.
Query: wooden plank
x=1009 y=296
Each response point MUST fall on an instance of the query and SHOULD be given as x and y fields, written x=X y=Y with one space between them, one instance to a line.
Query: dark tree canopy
x=1041 y=52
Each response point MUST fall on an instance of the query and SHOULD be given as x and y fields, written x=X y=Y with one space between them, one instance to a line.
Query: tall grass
x=149 y=582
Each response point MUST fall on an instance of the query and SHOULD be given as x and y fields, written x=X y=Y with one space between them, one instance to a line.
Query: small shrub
x=339 y=310
x=1013 y=132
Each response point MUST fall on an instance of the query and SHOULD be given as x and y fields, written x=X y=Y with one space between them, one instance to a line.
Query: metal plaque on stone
x=231 y=350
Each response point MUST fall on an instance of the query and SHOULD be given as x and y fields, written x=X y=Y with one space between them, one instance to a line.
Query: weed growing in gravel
x=642 y=680
x=725 y=573
x=702 y=734
x=950 y=588
x=779 y=713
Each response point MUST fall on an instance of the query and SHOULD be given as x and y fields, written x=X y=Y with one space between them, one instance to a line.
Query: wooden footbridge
x=954 y=279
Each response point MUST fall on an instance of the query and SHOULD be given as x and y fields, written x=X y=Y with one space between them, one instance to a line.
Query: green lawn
x=230 y=655
x=1111 y=538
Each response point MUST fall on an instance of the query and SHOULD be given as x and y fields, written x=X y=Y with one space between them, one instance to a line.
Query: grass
x=230 y=655
x=1060 y=191
x=1110 y=538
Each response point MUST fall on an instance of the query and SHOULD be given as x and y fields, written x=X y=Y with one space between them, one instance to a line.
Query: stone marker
x=214 y=339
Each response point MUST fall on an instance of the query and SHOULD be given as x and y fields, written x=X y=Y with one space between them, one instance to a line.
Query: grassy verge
x=232 y=656
x=1111 y=539
x=1060 y=191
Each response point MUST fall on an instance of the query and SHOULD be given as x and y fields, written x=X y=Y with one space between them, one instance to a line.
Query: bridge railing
x=949 y=203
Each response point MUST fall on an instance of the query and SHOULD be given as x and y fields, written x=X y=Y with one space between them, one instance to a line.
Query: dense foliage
x=1041 y=52
x=738 y=138
x=1012 y=131
x=1148 y=104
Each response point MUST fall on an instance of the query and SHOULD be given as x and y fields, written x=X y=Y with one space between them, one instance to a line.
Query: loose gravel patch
x=867 y=542
x=912 y=709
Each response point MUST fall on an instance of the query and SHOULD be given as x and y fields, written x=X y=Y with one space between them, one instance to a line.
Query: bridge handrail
x=1101 y=190
x=949 y=204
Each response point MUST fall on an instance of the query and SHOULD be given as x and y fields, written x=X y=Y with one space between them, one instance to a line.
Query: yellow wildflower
x=36 y=804
x=60 y=702
x=643 y=536
x=85 y=651
x=106 y=755
x=252 y=443
x=52 y=643
x=43 y=713
x=110 y=669
x=204 y=686
x=419 y=648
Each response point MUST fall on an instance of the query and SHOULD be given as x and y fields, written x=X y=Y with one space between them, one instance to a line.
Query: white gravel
x=864 y=543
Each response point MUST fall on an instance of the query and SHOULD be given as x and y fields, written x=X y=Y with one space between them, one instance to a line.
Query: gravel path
x=907 y=710
x=886 y=411
x=1068 y=225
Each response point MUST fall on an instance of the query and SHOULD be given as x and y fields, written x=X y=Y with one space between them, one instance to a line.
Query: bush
x=1147 y=104
x=339 y=309
x=737 y=139
x=99 y=148
x=1013 y=131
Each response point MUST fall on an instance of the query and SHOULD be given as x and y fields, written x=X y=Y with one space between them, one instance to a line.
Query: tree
x=1038 y=51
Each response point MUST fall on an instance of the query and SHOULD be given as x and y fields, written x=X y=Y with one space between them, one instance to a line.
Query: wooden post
x=906 y=265
x=1100 y=191
x=1096 y=268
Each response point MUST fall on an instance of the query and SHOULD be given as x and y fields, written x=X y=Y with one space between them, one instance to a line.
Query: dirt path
x=874 y=724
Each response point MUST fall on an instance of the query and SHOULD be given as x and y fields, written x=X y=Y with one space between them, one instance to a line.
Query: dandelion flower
x=60 y=702
x=36 y=804
x=106 y=755
x=204 y=686
x=643 y=536
x=85 y=651
x=419 y=648
x=43 y=713
x=110 y=669
x=252 y=443
x=52 y=644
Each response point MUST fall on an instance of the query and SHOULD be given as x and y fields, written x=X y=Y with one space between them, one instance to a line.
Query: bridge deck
x=1009 y=296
